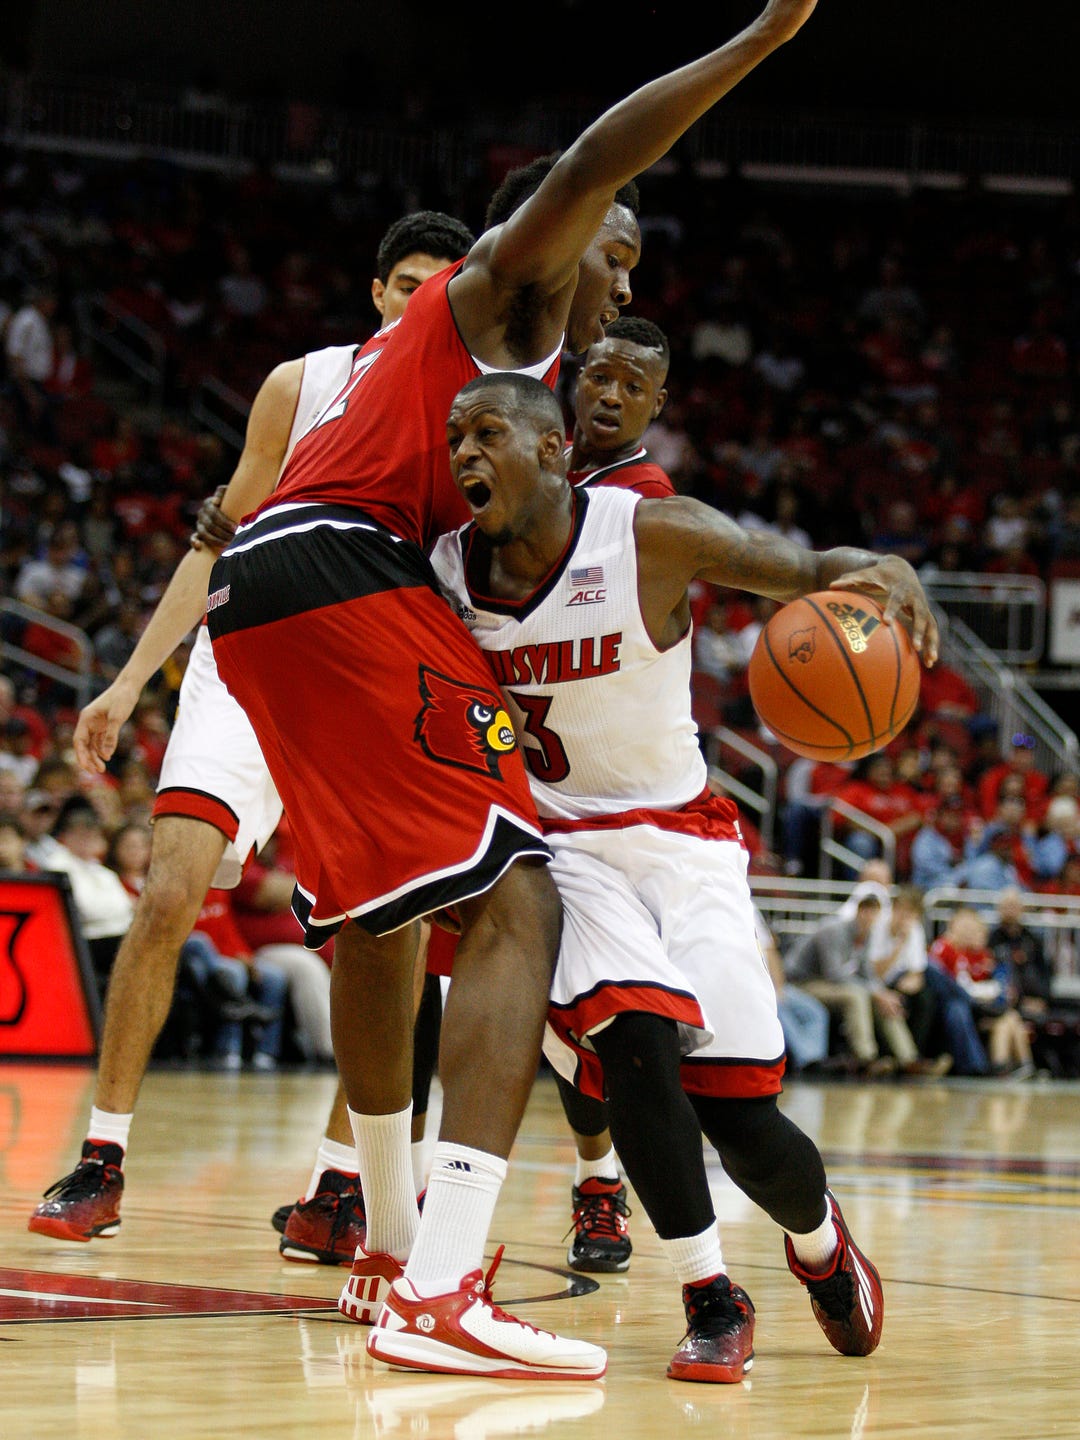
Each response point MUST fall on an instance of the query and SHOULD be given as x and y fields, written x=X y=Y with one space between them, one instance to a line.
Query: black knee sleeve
x=584 y=1115
x=654 y=1128
x=768 y=1157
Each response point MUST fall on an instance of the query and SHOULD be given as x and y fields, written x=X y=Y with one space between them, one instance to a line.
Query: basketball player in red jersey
x=387 y=741
x=216 y=803
x=620 y=391
x=580 y=599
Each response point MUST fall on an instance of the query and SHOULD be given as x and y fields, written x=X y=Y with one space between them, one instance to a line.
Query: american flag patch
x=587 y=575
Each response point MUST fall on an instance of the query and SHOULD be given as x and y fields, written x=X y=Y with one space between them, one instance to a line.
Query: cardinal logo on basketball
x=460 y=724
x=801 y=646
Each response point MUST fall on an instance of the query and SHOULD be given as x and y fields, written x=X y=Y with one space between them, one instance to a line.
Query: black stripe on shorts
x=305 y=558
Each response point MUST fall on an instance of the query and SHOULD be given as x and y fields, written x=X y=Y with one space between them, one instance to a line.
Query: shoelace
x=346 y=1204
x=836 y=1295
x=712 y=1311
x=497 y=1310
x=601 y=1217
x=87 y=1178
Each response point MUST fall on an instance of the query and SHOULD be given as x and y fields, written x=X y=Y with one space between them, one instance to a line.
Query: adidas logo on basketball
x=857 y=625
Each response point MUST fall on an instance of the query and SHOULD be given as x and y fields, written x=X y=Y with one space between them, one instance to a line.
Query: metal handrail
x=832 y=849
x=1022 y=599
x=222 y=410
x=764 y=803
x=1009 y=699
x=79 y=681
x=128 y=339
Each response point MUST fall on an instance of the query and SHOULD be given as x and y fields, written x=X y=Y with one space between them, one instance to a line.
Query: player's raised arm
x=679 y=539
x=540 y=245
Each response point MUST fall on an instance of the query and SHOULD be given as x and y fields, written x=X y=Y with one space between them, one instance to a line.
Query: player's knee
x=169 y=904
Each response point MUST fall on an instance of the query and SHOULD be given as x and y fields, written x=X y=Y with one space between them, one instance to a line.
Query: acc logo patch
x=801 y=645
x=462 y=725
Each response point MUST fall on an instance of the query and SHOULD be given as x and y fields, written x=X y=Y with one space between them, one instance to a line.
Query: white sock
x=606 y=1168
x=385 y=1168
x=331 y=1155
x=695 y=1258
x=463 y=1186
x=815 y=1250
x=108 y=1126
x=419 y=1165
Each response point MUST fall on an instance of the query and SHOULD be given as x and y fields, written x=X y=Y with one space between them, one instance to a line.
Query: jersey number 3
x=547 y=759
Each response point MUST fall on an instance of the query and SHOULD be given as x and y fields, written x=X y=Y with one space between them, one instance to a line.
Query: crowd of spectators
x=847 y=367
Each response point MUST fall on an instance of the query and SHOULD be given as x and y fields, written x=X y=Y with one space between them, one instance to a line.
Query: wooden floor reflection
x=188 y=1324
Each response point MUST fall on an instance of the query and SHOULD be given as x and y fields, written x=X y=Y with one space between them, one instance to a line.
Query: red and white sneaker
x=465 y=1333
x=368 y=1285
x=718 y=1346
x=847 y=1300
x=84 y=1205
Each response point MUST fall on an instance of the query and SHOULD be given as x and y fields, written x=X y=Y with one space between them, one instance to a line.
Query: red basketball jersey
x=381 y=445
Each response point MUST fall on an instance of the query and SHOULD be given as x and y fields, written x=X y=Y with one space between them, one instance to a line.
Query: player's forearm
x=831 y=564
x=178 y=611
x=638 y=131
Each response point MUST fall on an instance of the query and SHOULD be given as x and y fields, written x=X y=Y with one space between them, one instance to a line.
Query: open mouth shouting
x=477 y=494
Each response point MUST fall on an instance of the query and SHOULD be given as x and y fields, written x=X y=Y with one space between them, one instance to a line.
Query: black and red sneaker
x=84 y=1205
x=601 y=1233
x=326 y=1229
x=718 y=1347
x=847 y=1300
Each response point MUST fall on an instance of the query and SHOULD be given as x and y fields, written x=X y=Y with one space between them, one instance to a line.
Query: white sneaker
x=465 y=1333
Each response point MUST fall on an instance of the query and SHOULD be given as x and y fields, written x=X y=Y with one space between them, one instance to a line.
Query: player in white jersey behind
x=215 y=804
x=661 y=992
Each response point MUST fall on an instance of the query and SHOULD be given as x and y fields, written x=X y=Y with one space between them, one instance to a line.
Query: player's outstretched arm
x=183 y=604
x=679 y=539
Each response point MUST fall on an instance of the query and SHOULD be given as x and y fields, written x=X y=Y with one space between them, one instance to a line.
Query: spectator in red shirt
x=1020 y=760
x=877 y=792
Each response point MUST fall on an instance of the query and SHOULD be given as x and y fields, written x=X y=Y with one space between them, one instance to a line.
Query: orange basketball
x=830 y=679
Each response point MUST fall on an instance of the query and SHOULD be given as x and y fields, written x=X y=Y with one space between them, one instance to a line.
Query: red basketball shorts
x=377 y=716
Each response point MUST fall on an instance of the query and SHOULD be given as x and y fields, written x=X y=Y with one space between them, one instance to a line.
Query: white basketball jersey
x=324 y=376
x=603 y=717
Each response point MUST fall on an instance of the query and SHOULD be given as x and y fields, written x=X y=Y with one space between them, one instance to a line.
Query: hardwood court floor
x=188 y=1324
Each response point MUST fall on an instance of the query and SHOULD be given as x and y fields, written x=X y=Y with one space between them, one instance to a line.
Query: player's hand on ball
x=899 y=592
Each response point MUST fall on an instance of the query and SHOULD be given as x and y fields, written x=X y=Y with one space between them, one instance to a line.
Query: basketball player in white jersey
x=661 y=994
x=215 y=804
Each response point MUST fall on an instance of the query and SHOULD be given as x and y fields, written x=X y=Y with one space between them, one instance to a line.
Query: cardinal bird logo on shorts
x=462 y=725
x=801 y=646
